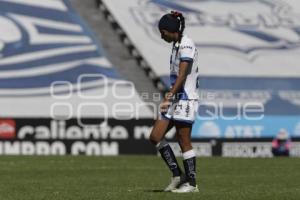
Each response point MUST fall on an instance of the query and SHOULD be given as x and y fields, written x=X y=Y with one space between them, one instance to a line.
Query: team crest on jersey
x=247 y=28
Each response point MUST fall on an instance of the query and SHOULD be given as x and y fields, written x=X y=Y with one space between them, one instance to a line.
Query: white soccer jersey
x=187 y=52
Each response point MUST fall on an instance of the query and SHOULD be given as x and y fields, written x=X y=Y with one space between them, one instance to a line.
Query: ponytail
x=181 y=19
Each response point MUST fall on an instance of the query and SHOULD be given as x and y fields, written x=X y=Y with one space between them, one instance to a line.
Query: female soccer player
x=179 y=105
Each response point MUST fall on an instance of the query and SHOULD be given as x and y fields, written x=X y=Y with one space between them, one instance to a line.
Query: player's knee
x=185 y=145
x=154 y=139
x=184 y=142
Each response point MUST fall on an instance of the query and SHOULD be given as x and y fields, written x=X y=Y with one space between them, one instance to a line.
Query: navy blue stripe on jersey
x=173 y=78
x=183 y=95
x=166 y=80
x=188 y=59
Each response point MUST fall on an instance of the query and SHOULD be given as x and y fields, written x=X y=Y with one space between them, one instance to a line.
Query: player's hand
x=164 y=106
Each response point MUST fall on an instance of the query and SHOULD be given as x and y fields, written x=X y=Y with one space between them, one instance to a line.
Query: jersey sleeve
x=187 y=51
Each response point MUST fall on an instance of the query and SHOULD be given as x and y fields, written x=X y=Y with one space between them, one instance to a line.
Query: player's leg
x=160 y=128
x=189 y=157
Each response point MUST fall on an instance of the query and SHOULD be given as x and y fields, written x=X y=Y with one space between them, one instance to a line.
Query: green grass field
x=143 y=177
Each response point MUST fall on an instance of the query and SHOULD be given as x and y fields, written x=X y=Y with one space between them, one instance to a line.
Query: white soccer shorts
x=182 y=111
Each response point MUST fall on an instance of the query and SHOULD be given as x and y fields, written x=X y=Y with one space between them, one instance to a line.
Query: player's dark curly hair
x=173 y=22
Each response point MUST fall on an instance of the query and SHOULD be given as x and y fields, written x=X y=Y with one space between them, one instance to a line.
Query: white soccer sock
x=188 y=154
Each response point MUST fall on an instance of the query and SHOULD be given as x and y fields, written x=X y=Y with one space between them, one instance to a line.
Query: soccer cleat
x=175 y=181
x=186 y=188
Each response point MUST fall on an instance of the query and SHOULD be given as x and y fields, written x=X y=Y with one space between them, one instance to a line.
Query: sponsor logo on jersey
x=186 y=47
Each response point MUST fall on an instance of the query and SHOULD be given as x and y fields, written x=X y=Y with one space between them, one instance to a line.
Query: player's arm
x=186 y=55
x=184 y=69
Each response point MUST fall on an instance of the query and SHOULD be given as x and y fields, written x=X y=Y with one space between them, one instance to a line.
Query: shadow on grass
x=154 y=191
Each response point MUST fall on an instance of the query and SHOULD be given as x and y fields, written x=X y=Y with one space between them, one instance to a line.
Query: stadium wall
x=27 y=126
x=44 y=137
x=248 y=59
